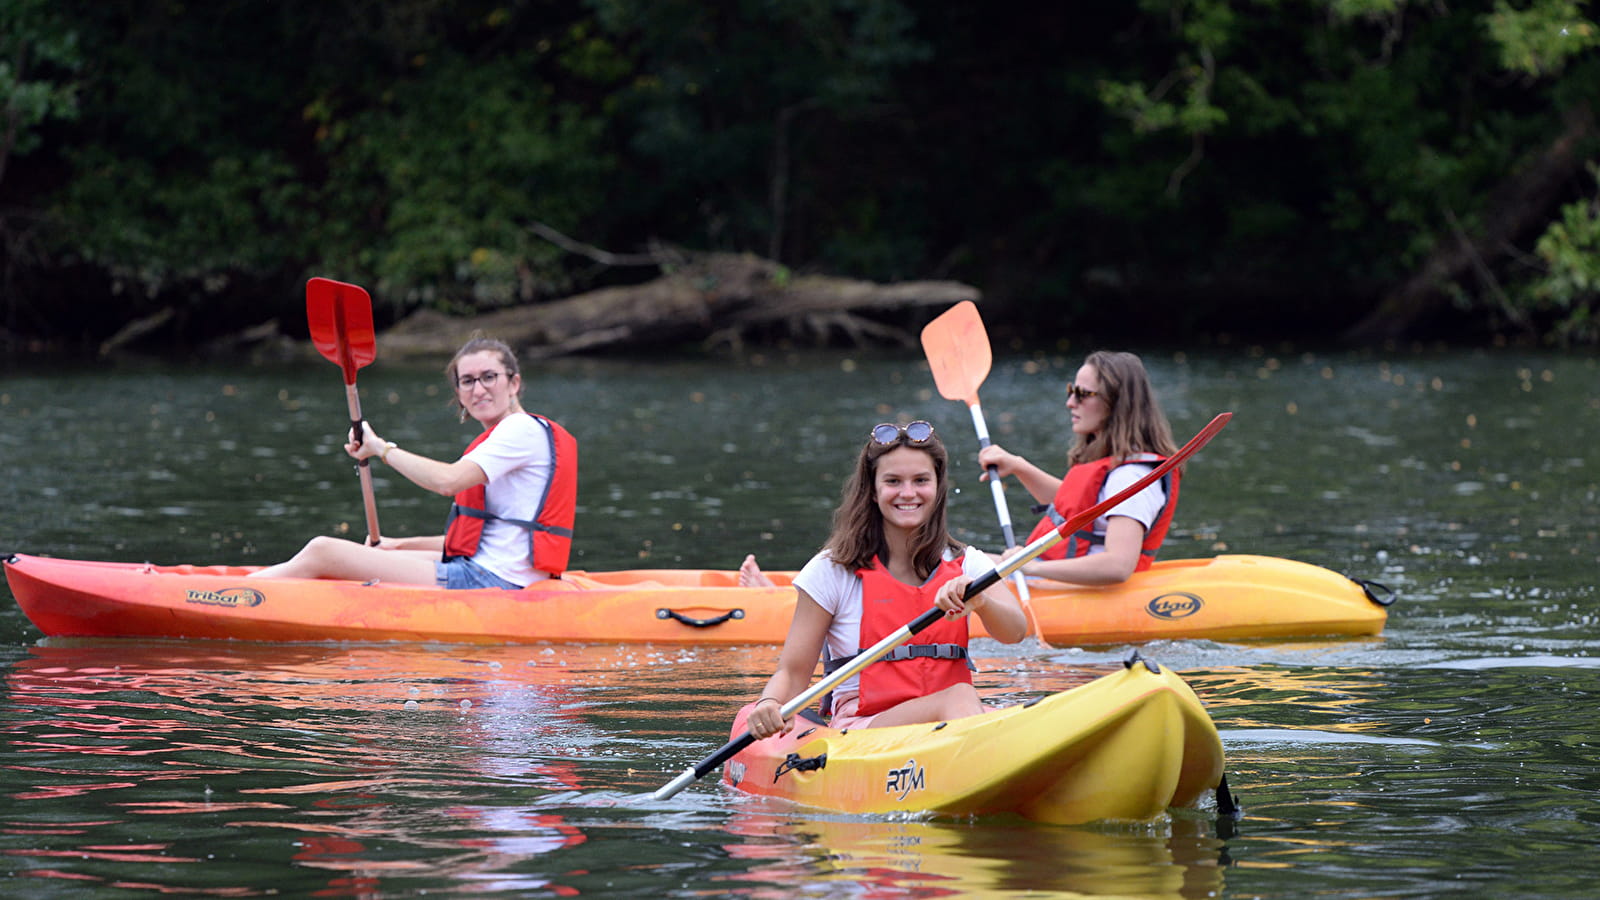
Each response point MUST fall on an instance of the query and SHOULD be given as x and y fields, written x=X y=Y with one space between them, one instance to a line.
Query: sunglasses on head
x=1079 y=393
x=914 y=432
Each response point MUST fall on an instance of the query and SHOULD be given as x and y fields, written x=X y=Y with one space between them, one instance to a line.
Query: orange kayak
x=1225 y=598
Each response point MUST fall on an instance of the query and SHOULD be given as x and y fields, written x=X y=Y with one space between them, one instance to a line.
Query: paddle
x=340 y=316
x=957 y=347
x=921 y=623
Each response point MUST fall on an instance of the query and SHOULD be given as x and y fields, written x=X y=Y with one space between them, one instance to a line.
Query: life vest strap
x=831 y=664
x=927 y=651
x=906 y=651
x=472 y=512
x=1087 y=535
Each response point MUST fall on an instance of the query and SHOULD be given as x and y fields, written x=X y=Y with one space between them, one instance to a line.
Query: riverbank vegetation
x=1372 y=169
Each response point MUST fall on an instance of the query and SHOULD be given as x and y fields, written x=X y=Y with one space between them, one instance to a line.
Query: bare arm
x=796 y=663
x=1039 y=483
x=1124 y=539
x=998 y=608
x=439 y=477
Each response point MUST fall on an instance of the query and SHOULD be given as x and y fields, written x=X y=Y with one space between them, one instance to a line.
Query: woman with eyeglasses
x=889 y=558
x=515 y=490
x=1121 y=435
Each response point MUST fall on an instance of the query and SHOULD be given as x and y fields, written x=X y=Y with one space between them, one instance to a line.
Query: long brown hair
x=1134 y=420
x=858 y=523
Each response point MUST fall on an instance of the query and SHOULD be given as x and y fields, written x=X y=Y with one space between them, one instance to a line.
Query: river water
x=1455 y=755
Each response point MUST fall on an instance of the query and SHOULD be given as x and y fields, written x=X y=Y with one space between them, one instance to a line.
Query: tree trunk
x=714 y=298
x=1522 y=203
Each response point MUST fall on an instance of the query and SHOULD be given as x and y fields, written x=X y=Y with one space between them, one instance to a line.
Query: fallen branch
x=136 y=329
x=714 y=298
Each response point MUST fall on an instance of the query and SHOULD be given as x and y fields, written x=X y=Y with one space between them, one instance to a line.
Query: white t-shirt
x=517 y=458
x=1145 y=506
x=838 y=590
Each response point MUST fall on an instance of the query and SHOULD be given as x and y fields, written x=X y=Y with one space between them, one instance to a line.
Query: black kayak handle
x=665 y=613
x=1376 y=591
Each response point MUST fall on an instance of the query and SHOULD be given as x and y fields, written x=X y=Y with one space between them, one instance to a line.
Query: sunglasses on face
x=468 y=382
x=914 y=433
x=1079 y=394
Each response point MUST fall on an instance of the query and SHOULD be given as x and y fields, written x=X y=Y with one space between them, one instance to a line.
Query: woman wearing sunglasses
x=889 y=558
x=515 y=491
x=1121 y=435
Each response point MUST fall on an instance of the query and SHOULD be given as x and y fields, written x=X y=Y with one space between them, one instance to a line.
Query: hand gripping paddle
x=340 y=316
x=959 y=356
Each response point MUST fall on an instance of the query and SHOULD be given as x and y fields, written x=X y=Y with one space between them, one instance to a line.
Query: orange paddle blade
x=340 y=316
x=958 y=352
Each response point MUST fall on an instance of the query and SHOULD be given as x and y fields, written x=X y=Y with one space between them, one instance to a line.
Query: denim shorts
x=461 y=573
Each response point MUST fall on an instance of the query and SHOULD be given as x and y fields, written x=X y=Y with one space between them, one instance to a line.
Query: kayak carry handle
x=1372 y=589
x=673 y=614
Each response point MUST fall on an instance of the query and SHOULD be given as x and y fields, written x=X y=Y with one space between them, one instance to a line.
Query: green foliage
x=1396 y=158
x=735 y=111
x=37 y=47
x=1541 y=38
x=459 y=159
x=1348 y=10
x=172 y=184
x=1197 y=148
x=150 y=231
x=1570 y=285
x=1205 y=29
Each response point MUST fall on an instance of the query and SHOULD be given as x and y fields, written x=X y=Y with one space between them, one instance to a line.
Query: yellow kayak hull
x=1126 y=746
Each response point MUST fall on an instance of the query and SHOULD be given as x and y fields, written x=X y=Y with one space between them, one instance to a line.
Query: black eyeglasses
x=1079 y=393
x=468 y=382
x=914 y=433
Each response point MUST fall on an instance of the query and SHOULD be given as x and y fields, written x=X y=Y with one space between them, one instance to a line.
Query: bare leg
x=330 y=557
x=955 y=702
x=750 y=574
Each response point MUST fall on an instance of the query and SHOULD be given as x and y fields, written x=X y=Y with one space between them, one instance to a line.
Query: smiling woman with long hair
x=889 y=557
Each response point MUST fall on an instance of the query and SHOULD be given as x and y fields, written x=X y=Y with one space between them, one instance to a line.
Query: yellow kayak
x=1232 y=597
x=1126 y=746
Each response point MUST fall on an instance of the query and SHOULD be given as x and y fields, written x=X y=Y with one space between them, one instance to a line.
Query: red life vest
x=930 y=661
x=1080 y=489
x=550 y=532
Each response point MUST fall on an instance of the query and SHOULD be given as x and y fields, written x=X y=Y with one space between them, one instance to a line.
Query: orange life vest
x=1080 y=489
x=930 y=661
x=550 y=532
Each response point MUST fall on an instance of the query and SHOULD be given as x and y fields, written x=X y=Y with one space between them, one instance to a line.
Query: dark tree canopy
x=1374 y=168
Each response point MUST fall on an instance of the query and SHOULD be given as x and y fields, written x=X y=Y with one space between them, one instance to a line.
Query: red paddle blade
x=340 y=316
x=958 y=352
